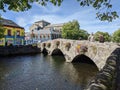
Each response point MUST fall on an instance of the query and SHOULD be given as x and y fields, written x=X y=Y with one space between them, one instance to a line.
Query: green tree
x=2 y=29
x=104 y=8
x=83 y=34
x=116 y=36
x=71 y=30
x=106 y=36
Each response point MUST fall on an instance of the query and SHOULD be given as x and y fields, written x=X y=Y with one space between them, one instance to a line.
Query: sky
x=68 y=11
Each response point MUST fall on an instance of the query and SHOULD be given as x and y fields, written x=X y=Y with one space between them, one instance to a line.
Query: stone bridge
x=76 y=50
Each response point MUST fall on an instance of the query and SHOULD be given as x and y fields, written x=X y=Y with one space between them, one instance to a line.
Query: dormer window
x=38 y=28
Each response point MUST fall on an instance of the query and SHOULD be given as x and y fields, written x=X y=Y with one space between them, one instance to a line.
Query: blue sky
x=68 y=11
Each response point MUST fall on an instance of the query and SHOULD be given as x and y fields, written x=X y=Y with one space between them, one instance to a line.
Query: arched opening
x=57 y=52
x=44 y=51
x=83 y=59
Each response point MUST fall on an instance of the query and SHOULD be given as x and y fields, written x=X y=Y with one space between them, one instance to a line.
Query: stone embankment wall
x=18 y=50
x=109 y=77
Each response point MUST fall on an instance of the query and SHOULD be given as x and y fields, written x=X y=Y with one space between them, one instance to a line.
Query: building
x=14 y=34
x=28 y=39
x=43 y=31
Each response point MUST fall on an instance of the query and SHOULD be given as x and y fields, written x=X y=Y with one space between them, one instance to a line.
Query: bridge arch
x=71 y=49
x=57 y=51
x=83 y=59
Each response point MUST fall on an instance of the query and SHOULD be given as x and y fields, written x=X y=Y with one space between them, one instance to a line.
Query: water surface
x=39 y=72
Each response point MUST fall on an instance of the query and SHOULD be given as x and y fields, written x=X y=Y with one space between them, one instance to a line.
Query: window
x=48 y=36
x=9 y=32
x=36 y=36
x=18 y=33
x=44 y=36
x=38 y=28
x=40 y=36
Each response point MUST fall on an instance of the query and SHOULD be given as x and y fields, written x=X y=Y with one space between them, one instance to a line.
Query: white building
x=42 y=31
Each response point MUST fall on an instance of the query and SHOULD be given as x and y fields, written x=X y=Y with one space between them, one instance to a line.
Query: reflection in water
x=79 y=73
x=39 y=72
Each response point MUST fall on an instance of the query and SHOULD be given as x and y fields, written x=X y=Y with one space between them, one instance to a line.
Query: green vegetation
x=106 y=36
x=71 y=30
x=116 y=36
x=23 y=5
x=104 y=7
x=83 y=34
x=2 y=29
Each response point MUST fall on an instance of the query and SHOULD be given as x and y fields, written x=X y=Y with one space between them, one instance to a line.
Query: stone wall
x=109 y=77
x=18 y=50
x=97 y=52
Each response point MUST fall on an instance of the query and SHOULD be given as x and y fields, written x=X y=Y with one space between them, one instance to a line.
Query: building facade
x=43 y=31
x=13 y=35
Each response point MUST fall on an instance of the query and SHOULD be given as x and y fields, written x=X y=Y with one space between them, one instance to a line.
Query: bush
x=44 y=44
x=67 y=46
x=57 y=43
x=48 y=45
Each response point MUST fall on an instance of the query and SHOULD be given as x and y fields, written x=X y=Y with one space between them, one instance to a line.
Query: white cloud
x=48 y=9
x=21 y=21
x=86 y=18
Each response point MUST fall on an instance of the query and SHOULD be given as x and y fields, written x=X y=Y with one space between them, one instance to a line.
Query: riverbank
x=18 y=50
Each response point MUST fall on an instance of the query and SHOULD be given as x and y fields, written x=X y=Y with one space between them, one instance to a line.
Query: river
x=39 y=72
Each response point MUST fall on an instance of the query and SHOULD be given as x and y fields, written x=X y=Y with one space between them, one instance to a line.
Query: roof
x=46 y=32
x=10 y=23
x=55 y=25
x=42 y=21
x=42 y=32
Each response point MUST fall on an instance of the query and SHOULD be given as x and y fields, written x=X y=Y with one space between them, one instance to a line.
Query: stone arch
x=83 y=59
x=43 y=45
x=44 y=51
x=57 y=51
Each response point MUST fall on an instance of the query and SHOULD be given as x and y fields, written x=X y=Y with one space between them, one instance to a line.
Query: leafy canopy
x=71 y=30
x=116 y=36
x=2 y=29
x=103 y=7
x=106 y=36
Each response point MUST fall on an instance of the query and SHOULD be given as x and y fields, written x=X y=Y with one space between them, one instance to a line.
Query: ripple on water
x=39 y=72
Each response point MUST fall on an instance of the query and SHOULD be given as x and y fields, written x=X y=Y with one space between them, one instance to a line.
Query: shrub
x=78 y=48
x=48 y=45
x=67 y=46
x=44 y=44
x=57 y=43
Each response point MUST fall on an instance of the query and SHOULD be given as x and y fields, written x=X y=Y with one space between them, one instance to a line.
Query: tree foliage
x=2 y=29
x=106 y=36
x=71 y=30
x=116 y=36
x=23 y=5
x=104 y=7
x=83 y=34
